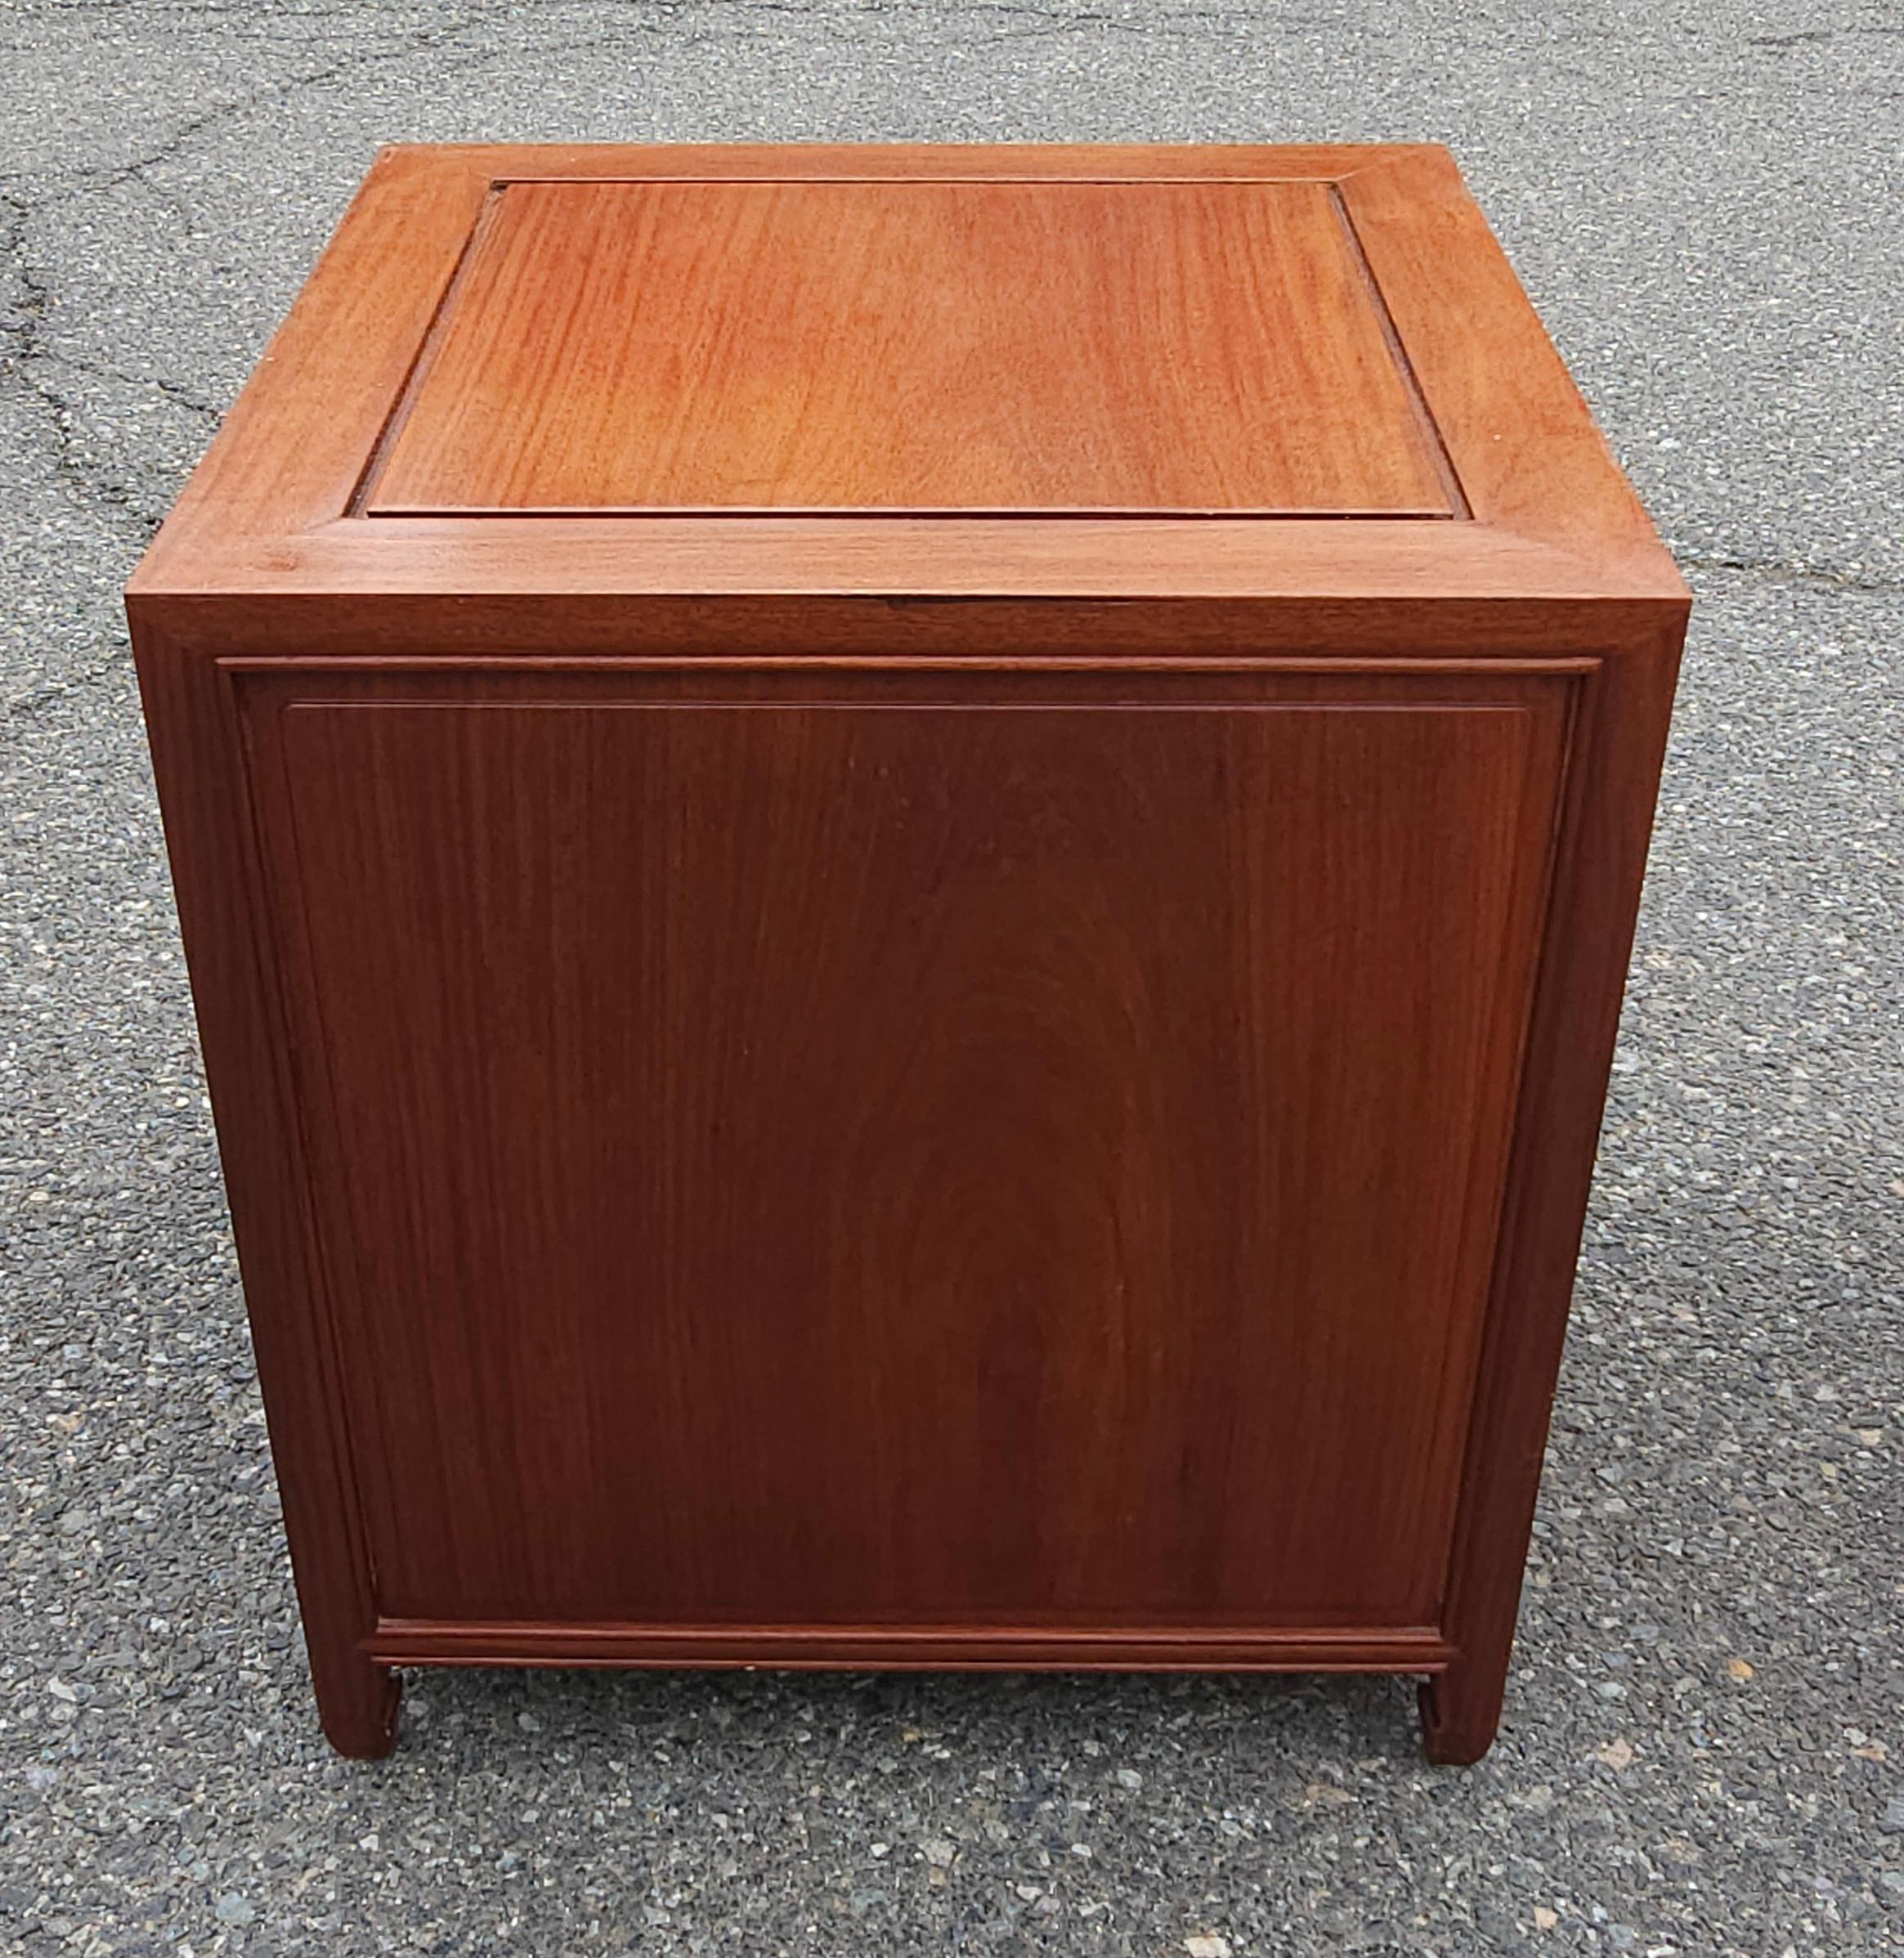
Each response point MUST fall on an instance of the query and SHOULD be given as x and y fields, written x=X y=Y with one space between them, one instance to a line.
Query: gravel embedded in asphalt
x=1703 y=1751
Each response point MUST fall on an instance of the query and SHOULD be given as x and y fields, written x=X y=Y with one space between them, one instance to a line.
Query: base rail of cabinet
x=1458 y=1707
x=414 y=1641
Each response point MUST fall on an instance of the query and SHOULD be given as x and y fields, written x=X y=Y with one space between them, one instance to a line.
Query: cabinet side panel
x=799 y=1160
x=196 y=744
x=1611 y=789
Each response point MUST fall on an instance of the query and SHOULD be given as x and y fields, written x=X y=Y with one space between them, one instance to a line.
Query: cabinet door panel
x=807 y=1158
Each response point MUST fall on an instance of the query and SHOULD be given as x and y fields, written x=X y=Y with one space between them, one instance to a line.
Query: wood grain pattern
x=901 y=1088
x=262 y=515
x=911 y=346
x=830 y=1086
x=1530 y=456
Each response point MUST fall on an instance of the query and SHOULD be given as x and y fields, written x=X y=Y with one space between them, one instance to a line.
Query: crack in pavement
x=24 y=363
x=88 y=178
x=16 y=710
x=1775 y=571
x=174 y=391
x=33 y=365
x=30 y=355
x=1733 y=1287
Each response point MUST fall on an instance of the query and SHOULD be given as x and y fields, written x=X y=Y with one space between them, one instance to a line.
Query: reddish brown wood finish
x=911 y=345
x=951 y=1083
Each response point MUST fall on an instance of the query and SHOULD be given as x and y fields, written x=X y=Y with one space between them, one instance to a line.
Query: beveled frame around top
x=270 y=510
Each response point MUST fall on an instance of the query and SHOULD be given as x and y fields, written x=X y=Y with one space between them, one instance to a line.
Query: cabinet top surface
x=912 y=345
x=1000 y=370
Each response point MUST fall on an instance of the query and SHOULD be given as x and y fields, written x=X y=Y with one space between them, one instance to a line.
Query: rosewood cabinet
x=907 y=872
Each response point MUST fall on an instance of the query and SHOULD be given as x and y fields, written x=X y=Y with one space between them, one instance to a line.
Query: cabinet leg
x=356 y=1703
x=1460 y=1709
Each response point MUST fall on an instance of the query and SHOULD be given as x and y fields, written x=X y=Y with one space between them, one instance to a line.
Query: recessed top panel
x=912 y=346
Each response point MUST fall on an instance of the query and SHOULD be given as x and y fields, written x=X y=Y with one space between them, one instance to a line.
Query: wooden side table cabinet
x=907 y=872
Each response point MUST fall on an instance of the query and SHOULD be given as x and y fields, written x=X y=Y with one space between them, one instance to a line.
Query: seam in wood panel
x=1050 y=512
x=1269 y=665
x=1425 y=420
x=503 y=183
x=933 y=1648
x=405 y=396
x=1216 y=705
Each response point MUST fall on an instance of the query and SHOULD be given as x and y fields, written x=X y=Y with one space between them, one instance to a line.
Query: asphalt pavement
x=1704 y=1748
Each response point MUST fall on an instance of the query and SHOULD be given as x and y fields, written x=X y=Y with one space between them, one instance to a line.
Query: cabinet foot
x=1461 y=1710
x=356 y=1703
